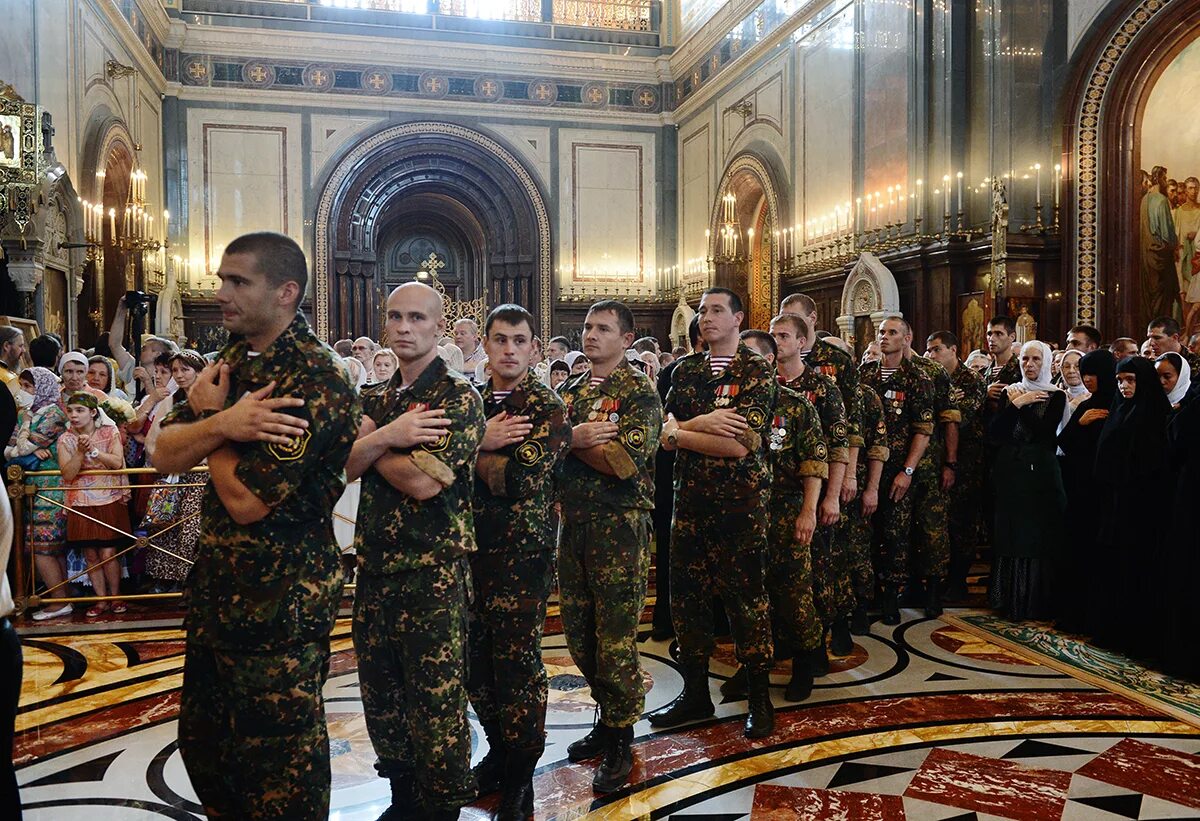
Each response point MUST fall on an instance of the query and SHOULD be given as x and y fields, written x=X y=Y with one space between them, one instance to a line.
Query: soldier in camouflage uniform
x=416 y=455
x=721 y=403
x=906 y=393
x=967 y=393
x=527 y=436
x=607 y=492
x=930 y=497
x=265 y=588
x=832 y=588
x=798 y=454
x=859 y=513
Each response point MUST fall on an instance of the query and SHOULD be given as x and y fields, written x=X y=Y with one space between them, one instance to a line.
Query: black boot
x=735 y=686
x=614 y=769
x=819 y=659
x=890 y=606
x=516 y=801
x=840 y=643
x=490 y=771
x=860 y=622
x=692 y=704
x=933 y=598
x=801 y=685
x=760 y=722
x=591 y=745
x=404 y=798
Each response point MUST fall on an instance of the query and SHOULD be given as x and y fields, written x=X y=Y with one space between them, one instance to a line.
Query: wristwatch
x=93 y=453
x=908 y=471
x=673 y=438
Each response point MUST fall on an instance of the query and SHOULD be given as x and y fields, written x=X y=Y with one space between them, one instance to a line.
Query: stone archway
x=752 y=182
x=502 y=211
x=869 y=296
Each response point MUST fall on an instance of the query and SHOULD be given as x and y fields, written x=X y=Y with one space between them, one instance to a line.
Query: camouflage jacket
x=875 y=433
x=394 y=531
x=836 y=363
x=944 y=410
x=628 y=398
x=907 y=398
x=1007 y=375
x=748 y=386
x=822 y=391
x=514 y=486
x=278 y=581
x=967 y=393
x=795 y=443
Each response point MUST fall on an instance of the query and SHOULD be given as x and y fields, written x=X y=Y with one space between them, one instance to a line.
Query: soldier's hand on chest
x=720 y=422
x=589 y=434
x=504 y=430
x=415 y=427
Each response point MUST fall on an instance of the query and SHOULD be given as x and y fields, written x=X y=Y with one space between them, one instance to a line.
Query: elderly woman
x=1030 y=499
x=1071 y=378
x=578 y=362
x=384 y=364
x=560 y=371
x=102 y=375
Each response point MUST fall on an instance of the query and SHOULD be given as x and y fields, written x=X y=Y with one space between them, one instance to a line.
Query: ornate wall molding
x=349 y=164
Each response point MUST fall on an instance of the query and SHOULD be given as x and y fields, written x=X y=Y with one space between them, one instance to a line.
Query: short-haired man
x=797 y=450
x=832 y=588
x=606 y=489
x=719 y=405
x=557 y=348
x=646 y=343
x=44 y=351
x=12 y=348
x=1083 y=338
x=526 y=438
x=1004 y=369
x=344 y=347
x=466 y=337
x=906 y=393
x=1163 y=334
x=140 y=371
x=363 y=349
x=416 y=455
x=265 y=588
x=967 y=393
x=1122 y=347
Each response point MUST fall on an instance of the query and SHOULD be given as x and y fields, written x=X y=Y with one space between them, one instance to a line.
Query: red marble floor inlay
x=958 y=641
x=779 y=803
x=1150 y=769
x=39 y=742
x=982 y=784
x=144 y=651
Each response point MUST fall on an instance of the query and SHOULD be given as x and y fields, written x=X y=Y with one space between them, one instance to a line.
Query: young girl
x=100 y=517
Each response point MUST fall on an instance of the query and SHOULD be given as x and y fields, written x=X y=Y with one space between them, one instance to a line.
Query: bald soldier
x=416 y=454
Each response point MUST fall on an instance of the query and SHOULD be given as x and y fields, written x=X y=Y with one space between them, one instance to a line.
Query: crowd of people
x=792 y=492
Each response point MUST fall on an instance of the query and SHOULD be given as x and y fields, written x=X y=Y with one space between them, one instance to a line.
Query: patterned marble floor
x=923 y=721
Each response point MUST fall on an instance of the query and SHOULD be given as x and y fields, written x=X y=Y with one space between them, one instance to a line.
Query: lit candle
x=112 y=222
x=1037 y=170
x=1057 y=182
x=920 y=198
x=946 y=193
x=858 y=215
x=960 y=190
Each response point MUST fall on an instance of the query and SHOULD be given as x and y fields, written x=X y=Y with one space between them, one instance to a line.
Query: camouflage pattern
x=967 y=392
x=514 y=568
x=1009 y=374
x=604 y=545
x=832 y=589
x=719 y=528
x=252 y=731
x=410 y=611
x=409 y=635
x=835 y=362
x=907 y=398
x=797 y=449
x=262 y=598
x=931 y=504
x=858 y=530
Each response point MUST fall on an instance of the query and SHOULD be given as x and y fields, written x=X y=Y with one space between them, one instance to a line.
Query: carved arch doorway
x=755 y=276
x=869 y=296
x=434 y=185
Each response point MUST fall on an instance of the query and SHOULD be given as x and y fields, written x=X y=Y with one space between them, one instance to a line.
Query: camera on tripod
x=137 y=304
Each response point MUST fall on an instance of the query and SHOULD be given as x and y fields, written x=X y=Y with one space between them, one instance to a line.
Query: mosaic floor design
x=1070 y=654
x=923 y=721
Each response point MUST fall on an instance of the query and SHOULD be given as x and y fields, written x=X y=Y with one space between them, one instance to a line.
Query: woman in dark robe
x=1075 y=572
x=1181 y=652
x=1029 y=493
x=1131 y=458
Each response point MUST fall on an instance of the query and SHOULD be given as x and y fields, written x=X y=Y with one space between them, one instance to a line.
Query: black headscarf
x=1133 y=443
x=1102 y=365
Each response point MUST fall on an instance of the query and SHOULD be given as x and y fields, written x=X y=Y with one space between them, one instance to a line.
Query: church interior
x=942 y=160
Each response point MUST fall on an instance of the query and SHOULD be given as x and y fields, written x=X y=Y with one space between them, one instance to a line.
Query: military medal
x=612 y=417
x=725 y=395
x=778 y=433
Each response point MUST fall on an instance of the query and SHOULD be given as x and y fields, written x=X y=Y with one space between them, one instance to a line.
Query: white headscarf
x=1043 y=382
x=359 y=374
x=72 y=356
x=571 y=357
x=1185 y=378
x=1073 y=390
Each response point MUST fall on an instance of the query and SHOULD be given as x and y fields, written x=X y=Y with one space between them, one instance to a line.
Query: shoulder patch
x=822 y=451
x=635 y=438
x=291 y=451
x=530 y=453
x=438 y=445
x=756 y=417
x=926 y=415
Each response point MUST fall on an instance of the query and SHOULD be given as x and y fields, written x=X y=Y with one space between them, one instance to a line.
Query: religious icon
x=971 y=334
x=10 y=141
x=1026 y=325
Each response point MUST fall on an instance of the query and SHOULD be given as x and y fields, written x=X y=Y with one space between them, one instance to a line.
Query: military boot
x=490 y=770
x=614 y=769
x=890 y=606
x=760 y=720
x=840 y=643
x=933 y=597
x=801 y=685
x=404 y=798
x=516 y=801
x=819 y=659
x=735 y=686
x=860 y=622
x=591 y=745
x=692 y=704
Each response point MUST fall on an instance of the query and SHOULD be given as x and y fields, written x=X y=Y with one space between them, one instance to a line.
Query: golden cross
x=595 y=95
x=433 y=85
x=319 y=77
x=542 y=91
x=488 y=88
x=198 y=71
x=432 y=265
x=376 y=81
x=258 y=74
x=646 y=98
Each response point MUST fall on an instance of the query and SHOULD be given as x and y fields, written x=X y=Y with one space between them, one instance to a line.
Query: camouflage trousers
x=506 y=680
x=789 y=577
x=892 y=530
x=409 y=632
x=833 y=585
x=856 y=533
x=252 y=731
x=719 y=546
x=931 y=536
x=603 y=566
x=965 y=510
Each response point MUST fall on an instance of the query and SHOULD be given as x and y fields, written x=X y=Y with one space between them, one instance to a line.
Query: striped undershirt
x=719 y=363
x=597 y=381
x=886 y=373
x=804 y=354
x=500 y=396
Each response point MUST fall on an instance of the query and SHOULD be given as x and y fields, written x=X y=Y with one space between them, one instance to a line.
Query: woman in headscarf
x=1176 y=376
x=1029 y=492
x=1072 y=379
x=578 y=362
x=1076 y=570
x=1132 y=455
x=102 y=375
x=1181 y=652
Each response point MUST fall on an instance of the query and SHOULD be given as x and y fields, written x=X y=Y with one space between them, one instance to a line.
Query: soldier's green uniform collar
x=238 y=352
x=735 y=368
x=434 y=371
x=518 y=399
x=614 y=382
